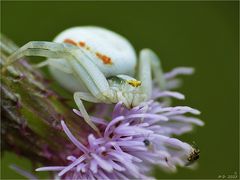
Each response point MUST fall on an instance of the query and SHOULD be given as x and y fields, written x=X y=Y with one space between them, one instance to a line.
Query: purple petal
x=73 y=139
x=93 y=166
x=148 y=115
x=23 y=172
x=117 y=119
x=102 y=163
x=94 y=119
x=71 y=158
x=50 y=168
x=75 y=163
x=117 y=167
x=169 y=94
x=179 y=71
x=188 y=120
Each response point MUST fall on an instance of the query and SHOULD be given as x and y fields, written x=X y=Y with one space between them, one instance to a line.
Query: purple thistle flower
x=134 y=140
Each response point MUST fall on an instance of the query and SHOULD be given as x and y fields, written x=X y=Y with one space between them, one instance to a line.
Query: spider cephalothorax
x=127 y=90
x=98 y=65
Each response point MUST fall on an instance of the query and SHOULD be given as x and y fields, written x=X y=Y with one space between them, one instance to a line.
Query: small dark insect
x=146 y=142
x=194 y=155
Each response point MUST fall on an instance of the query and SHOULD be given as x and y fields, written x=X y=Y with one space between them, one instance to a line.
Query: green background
x=199 y=34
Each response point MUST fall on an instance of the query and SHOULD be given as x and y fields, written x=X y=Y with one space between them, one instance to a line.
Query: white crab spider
x=98 y=65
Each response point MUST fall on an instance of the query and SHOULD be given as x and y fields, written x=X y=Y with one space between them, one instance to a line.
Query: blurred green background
x=199 y=34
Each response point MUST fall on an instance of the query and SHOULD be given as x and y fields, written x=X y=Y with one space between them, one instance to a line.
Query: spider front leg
x=56 y=64
x=148 y=62
x=78 y=97
x=80 y=65
x=35 y=48
x=39 y=48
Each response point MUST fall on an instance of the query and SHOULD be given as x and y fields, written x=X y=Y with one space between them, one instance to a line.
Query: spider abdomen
x=110 y=52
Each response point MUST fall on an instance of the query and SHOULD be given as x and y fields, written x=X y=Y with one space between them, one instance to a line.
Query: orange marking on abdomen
x=70 y=41
x=105 y=59
x=82 y=44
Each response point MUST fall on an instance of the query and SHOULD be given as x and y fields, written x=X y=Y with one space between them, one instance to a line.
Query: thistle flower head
x=133 y=141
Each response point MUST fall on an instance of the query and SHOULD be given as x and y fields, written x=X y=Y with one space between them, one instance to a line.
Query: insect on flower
x=98 y=65
x=193 y=156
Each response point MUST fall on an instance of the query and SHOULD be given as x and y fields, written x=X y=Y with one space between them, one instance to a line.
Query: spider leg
x=144 y=73
x=78 y=60
x=81 y=66
x=78 y=97
x=149 y=61
x=53 y=62
x=37 y=48
x=86 y=97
